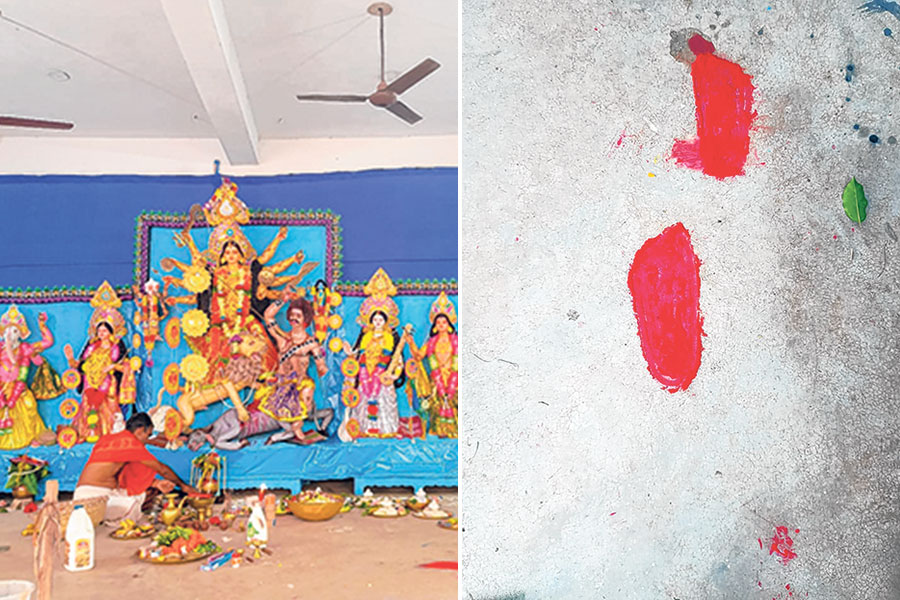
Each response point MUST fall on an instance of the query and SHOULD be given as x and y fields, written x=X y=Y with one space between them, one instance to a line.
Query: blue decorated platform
x=368 y=462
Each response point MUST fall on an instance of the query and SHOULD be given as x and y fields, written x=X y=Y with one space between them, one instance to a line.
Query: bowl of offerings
x=315 y=505
x=419 y=501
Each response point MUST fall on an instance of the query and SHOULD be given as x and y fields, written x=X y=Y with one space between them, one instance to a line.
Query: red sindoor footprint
x=664 y=280
x=723 y=96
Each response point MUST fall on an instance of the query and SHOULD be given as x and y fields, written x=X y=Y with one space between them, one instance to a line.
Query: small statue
x=440 y=352
x=151 y=309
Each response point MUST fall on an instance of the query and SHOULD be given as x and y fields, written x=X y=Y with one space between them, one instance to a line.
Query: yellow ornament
x=350 y=367
x=136 y=363
x=136 y=341
x=335 y=345
x=350 y=397
x=196 y=280
x=170 y=378
x=172 y=333
x=71 y=379
x=194 y=323
x=67 y=437
x=335 y=321
x=194 y=368
x=68 y=408
x=334 y=299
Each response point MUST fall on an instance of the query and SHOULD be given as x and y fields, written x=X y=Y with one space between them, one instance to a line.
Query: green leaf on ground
x=854 y=200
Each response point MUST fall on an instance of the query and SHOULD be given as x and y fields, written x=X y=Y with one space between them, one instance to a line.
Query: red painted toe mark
x=782 y=545
x=441 y=564
x=835 y=237
x=664 y=280
x=611 y=514
x=700 y=45
x=723 y=96
x=760 y=542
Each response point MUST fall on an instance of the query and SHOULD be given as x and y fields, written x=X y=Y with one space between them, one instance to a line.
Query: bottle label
x=82 y=553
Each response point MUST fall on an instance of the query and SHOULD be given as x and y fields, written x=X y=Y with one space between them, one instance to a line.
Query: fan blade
x=34 y=123
x=404 y=112
x=333 y=97
x=413 y=76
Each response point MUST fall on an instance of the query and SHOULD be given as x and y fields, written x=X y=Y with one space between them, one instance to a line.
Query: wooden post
x=46 y=539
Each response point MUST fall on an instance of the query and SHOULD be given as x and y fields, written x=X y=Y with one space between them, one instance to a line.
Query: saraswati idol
x=374 y=367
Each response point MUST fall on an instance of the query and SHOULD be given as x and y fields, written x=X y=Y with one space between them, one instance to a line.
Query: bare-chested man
x=297 y=349
x=121 y=468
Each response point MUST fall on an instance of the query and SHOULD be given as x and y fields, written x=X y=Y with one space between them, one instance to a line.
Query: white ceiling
x=128 y=77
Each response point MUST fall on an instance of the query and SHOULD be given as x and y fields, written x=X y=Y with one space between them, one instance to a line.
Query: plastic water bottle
x=79 y=540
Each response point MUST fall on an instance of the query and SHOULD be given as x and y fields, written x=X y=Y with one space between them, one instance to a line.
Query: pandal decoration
x=194 y=323
x=172 y=332
x=323 y=301
x=66 y=437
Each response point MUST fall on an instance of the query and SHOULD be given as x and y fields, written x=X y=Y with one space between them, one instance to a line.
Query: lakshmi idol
x=440 y=353
x=20 y=422
x=99 y=363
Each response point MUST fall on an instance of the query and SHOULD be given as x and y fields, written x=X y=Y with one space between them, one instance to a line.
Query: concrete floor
x=349 y=556
x=590 y=480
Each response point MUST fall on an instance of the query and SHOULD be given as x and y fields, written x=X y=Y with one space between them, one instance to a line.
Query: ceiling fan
x=385 y=95
x=7 y=121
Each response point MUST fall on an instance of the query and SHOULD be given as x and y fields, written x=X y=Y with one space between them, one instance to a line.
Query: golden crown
x=105 y=303
x=442 y=306
x=226 y=212
x=13 y=318
x=379 y=289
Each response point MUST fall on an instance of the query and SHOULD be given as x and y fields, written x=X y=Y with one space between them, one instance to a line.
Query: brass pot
x=210 y=486
x=21 y=492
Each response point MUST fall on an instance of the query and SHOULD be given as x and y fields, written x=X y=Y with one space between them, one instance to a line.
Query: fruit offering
x=388 y=508
x=129 y=530
x=419 y=501
x=178 y=544
x=432 y=511
x=367 y=500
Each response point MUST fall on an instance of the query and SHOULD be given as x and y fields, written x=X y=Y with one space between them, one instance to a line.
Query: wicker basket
x=95 y=507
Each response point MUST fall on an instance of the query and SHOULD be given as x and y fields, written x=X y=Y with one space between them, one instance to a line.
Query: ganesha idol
x=229 y=286
x=20 y=423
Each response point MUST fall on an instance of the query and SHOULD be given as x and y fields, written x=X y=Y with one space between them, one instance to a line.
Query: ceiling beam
x=202 y=33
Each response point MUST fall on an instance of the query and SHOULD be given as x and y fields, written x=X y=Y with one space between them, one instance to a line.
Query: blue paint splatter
x=847 y=99
x=887 y=31
x=856 y=126
x=880 y=6
x=873 y=138
x=811 y=36
x=849 y=77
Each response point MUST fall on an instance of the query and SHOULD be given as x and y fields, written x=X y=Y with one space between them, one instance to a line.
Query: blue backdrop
x=61 y=230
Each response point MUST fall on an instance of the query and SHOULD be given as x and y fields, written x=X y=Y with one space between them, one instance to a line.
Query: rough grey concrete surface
x=793 y=417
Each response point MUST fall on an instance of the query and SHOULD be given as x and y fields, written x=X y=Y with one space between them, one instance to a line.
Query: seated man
x=121 y=468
